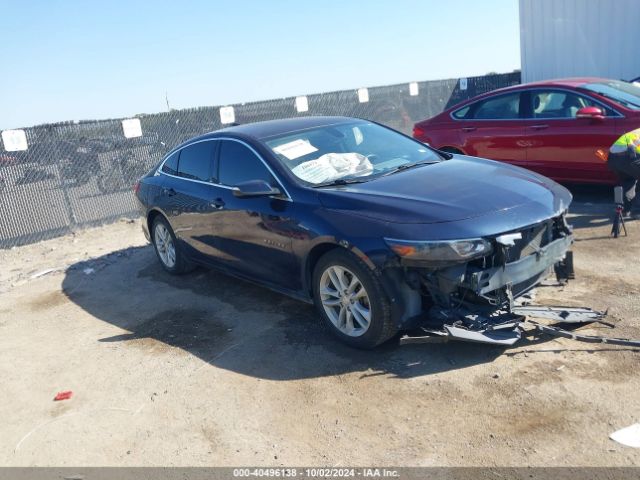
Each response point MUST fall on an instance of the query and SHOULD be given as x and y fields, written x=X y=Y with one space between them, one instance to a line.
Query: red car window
x=503 y=107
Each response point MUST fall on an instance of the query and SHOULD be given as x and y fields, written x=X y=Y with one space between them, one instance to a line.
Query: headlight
x=442 y=251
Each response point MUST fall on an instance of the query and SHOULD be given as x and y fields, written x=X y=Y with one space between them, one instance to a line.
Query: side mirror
x=254 y=188
x=594 y=113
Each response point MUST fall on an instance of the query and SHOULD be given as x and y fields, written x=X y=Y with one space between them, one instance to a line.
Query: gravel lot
x=208 y=370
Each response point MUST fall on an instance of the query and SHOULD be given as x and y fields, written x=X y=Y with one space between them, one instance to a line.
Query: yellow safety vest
x=630 y=140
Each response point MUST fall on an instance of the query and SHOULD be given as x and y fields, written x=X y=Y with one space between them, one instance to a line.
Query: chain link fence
x=74 y=175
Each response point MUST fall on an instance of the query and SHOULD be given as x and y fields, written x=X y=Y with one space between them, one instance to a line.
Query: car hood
x=452 y=190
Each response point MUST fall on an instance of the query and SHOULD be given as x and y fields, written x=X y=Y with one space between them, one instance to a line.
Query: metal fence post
x=63 y=186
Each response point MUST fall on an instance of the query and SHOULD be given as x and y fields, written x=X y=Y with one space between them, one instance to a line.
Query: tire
x=345 y=314
x=168 y=249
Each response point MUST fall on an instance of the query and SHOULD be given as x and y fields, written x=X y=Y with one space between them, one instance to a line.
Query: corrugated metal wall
x=568 y=38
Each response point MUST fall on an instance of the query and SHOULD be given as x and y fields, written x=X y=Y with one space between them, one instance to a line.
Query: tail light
x=418 y=132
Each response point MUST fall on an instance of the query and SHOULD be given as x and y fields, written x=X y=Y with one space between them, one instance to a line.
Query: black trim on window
x=609 y=111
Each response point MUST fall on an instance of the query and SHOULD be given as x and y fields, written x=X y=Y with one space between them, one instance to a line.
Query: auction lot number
x=316 y=472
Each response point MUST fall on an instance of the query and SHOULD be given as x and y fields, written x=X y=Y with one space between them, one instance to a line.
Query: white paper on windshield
x=315 y=171
x=132 y=128
x=14 y=140
x=296 y=149
x=332 y=166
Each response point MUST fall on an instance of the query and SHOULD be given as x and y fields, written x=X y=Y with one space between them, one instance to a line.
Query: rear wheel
x=351 y=300
x=167 y=248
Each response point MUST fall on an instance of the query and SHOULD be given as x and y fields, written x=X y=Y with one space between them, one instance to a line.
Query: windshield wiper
x=343 y=181
x=406 y=166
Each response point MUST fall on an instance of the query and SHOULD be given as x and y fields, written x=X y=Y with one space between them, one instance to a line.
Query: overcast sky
x=76 y=60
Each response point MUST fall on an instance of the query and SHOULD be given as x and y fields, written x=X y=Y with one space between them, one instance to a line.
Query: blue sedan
x=377 y=229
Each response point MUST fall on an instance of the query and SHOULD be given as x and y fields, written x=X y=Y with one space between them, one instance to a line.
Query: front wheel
x=351 y=300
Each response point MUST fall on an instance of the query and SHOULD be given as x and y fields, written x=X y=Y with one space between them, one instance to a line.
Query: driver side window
x=237 y=164
x=551 y=104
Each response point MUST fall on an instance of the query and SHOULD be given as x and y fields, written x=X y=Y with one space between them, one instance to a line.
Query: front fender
x=364 y=238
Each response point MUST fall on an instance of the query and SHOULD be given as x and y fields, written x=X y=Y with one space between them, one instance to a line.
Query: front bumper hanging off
x=482 y=302
x=531 y=266
x=507 y=328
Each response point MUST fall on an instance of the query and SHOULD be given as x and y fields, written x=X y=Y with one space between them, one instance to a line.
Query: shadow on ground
x=238 y=326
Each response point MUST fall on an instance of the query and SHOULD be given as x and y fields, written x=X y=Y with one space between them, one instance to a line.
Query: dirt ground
x=209 y=370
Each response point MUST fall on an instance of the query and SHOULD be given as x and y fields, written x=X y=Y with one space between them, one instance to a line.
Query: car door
x=190 y=199
x=493 y=128
x=254 y=235
x=562 y=146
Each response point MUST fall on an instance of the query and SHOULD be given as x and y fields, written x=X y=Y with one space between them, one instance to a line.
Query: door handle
x=539 y=127
x=218 y=204
x=170 y=192
x=468 y=129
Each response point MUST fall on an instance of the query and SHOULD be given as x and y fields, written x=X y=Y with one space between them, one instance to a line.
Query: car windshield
x=626 y=94
x=350 y=152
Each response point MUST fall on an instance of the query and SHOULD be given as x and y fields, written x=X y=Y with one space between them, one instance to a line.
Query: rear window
x=462 y=113
x=171 y=164
x=503 y=107
x=195 y=161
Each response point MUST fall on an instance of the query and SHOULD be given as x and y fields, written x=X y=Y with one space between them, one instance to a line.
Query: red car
x=554 y=127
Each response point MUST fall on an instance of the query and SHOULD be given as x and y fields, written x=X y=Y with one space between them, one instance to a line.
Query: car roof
x=573 y=82
x=270 y=128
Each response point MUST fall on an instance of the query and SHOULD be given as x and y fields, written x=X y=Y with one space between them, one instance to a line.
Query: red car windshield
x=626 y=94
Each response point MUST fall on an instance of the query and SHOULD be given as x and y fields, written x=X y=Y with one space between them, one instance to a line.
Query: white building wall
x=570 y=38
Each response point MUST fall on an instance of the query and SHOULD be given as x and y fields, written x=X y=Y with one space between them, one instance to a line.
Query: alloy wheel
x=345 y=301
x=164 y=245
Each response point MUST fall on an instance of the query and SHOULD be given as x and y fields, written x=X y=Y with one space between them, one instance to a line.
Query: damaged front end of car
x=469 y=289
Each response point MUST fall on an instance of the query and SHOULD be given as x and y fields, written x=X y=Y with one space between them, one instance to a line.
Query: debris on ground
x=63 y=396
x=42 y=273
x=629 y=436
